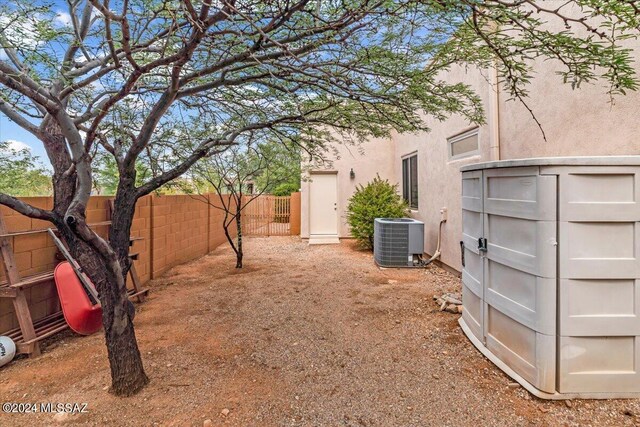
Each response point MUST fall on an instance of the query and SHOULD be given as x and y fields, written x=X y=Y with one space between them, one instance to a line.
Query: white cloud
x=62 y=18
x=20 y=31
x=17 y=145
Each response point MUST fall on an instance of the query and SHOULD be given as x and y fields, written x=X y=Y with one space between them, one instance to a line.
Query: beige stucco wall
x=576 y=122
x=439 y=184
x=581 y=122
x=367 y=159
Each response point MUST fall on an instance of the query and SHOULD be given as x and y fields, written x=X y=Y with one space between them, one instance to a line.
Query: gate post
x=294 y=214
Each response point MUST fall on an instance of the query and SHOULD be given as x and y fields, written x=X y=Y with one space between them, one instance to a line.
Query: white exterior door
x=323 y=208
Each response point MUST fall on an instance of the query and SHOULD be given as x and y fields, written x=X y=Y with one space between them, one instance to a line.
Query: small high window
x=410 y=180
x=464 y=144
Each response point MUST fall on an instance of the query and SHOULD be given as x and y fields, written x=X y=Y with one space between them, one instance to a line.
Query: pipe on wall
x=494 y=116
x=437 y=253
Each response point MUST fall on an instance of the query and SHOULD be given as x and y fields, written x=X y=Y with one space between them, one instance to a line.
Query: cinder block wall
x=180 y=229
x=174 y=230
x=36 y=253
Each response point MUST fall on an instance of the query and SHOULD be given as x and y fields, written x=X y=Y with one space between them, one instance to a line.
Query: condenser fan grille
x=394 y=242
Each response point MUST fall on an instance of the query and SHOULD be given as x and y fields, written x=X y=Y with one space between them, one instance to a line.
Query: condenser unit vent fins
x=397 y=241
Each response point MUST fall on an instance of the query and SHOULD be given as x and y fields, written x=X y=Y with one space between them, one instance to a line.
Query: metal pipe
x=494 y=116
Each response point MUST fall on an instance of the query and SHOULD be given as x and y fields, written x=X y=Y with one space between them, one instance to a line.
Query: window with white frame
x=410 y=180
x=464 y=144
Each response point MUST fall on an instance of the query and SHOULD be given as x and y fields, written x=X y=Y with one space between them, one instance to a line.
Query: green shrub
x=285 y=189
x=378 y=199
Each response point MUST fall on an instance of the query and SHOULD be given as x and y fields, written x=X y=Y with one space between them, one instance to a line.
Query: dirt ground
x=303 y=335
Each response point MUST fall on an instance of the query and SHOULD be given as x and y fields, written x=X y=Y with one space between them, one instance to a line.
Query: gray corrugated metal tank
x=551 y=275
x=397 y=240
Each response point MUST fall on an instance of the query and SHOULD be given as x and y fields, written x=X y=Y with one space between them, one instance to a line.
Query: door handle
x=482 y=244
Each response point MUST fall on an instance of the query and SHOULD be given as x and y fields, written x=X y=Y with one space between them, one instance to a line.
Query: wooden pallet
x=44 y=328
x=29 y=333
x=10 y=289
x=139 y=294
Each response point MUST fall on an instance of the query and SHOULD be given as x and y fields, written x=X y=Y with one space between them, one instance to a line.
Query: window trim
x=407 y=189
x=460 y=136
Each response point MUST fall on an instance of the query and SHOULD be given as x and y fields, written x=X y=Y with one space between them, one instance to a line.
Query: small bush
x=378 y=199
x=285 y=189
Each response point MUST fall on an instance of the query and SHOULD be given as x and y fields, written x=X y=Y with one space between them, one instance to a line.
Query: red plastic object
x=83 y=317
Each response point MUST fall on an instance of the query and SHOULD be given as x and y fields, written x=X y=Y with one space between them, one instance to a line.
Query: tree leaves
x=21 y=174
x=161 y=84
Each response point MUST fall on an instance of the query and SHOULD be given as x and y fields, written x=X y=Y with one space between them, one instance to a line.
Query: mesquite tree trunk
x=236 y=217
x=104 y=270
x=239 y=253
x=107 y=269
x=127 y=372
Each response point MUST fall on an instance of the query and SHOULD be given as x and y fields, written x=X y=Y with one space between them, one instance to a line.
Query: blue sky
x=13 y=132
x=8 y=129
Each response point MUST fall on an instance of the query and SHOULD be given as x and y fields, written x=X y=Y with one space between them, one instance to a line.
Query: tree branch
x=21 y=83
x=19 y=120
x=25 y=208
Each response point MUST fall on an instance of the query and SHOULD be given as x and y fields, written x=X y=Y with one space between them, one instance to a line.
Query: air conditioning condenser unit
x=398 y=242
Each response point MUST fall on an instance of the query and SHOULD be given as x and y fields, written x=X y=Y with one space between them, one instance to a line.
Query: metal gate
x=267 y=215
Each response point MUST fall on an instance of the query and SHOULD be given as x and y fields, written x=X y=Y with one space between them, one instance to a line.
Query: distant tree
x=106 y=175
x=21 y=173
x=231 y=175
x=284 y=168
x=285 y=189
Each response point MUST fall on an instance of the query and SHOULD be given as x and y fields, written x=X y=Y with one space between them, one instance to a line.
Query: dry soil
x=302 y=335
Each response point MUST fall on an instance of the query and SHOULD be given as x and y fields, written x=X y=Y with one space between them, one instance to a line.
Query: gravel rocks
x=371 y=349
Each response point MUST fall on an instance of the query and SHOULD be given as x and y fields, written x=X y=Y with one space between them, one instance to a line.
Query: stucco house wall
x=581 y=122
x=376 y=156
x=439 y=177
